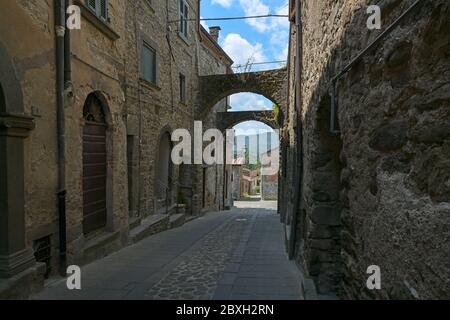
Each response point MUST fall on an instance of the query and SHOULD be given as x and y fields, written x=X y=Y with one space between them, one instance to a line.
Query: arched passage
x=270 y=84
x=164 y=170
x=15 y=256
x=321 y=215
x=226 y=120
x=255 y=164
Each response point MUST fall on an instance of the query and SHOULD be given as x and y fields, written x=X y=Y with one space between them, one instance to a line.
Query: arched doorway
x=255 y=166
x=2 y=100
x=163 y=173
x=15 y=127
x=94 y=164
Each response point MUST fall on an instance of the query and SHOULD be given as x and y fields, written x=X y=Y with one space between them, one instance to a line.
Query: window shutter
x=104 y=9
x=149 y=63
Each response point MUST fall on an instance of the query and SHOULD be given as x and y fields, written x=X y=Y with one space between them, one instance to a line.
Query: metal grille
x=43 y=253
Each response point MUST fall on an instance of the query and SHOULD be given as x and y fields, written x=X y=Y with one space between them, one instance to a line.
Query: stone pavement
x=237 y=254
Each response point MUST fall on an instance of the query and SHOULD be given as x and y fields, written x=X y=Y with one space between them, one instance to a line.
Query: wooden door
x=94 y=176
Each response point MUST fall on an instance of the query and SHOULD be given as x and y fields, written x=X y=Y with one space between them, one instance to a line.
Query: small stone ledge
x=101 y=246
x=153 y=224
x=15 y=125
x=177 y=220
x=24 y=284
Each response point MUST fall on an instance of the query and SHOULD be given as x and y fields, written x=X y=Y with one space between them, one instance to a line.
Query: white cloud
x=282 y=55
x=223 y=3
x=259 y=8
x=241 y=50
x=249 y=101
x=256 y=8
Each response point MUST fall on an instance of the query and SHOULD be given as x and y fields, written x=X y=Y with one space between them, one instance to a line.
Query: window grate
x=100 y=8
x=43 y=253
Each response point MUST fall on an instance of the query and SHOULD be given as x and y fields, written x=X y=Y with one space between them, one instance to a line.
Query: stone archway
x=226 y=120
x=15 y=126
x=271 y=84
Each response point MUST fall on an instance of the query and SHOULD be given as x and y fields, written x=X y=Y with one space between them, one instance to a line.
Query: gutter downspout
x=60 y=18
x=299 y=131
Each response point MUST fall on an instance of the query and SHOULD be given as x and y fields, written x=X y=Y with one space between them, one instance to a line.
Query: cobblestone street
x=238 y=254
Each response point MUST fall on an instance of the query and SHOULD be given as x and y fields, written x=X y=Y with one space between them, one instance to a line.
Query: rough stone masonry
x=378 y=191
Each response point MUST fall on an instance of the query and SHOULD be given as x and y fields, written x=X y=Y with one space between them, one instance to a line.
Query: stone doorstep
x=177 y=220
x=24 y=284
x=151 y=225
x=101 y=246
x=135 y=222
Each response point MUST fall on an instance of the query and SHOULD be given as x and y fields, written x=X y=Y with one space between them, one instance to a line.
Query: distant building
x=236 y=177
x=249 y=182
x=269 y=183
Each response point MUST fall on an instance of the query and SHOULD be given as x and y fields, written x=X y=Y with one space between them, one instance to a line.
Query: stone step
x=177 y=220
x=134 y=223
x=151 y=225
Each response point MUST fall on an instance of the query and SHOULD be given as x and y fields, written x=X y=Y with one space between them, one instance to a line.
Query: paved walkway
x=237 y=254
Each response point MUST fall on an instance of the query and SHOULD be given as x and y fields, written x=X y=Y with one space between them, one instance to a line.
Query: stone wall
x=154 y=108
x=378 y=192
x=269 y=187
x=105 y=60
x=97 y=68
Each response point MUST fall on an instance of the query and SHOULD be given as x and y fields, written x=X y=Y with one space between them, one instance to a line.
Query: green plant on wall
x=182 y=199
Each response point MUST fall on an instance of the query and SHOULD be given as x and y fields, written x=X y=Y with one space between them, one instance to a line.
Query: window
x=148 y=63
x=182 y=88
x=184 y=16
x=100 y=8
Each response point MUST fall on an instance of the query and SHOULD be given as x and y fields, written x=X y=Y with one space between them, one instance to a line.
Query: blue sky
x=254 y=40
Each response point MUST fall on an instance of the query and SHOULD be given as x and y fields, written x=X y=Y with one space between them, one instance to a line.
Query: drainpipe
x=299 y=130
x=60 y=77
x=67 y=54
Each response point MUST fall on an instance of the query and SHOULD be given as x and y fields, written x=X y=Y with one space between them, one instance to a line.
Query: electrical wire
x=235 y=18
x=257 y=63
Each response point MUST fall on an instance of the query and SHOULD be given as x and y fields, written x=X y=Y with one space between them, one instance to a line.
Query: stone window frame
x=96 y=7
x=144 y=39
x=100 y=24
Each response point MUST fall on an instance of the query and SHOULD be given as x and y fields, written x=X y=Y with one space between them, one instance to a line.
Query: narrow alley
x=237 y=255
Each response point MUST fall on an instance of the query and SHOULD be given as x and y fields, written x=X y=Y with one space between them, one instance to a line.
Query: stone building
x=85 y=123
x=269 y=180
x=236 y=178
x=371 y=109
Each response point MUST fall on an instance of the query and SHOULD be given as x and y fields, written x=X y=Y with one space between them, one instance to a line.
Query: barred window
x=100 y=8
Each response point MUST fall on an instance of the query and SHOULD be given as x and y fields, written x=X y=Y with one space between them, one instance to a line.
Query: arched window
x=164 y=168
